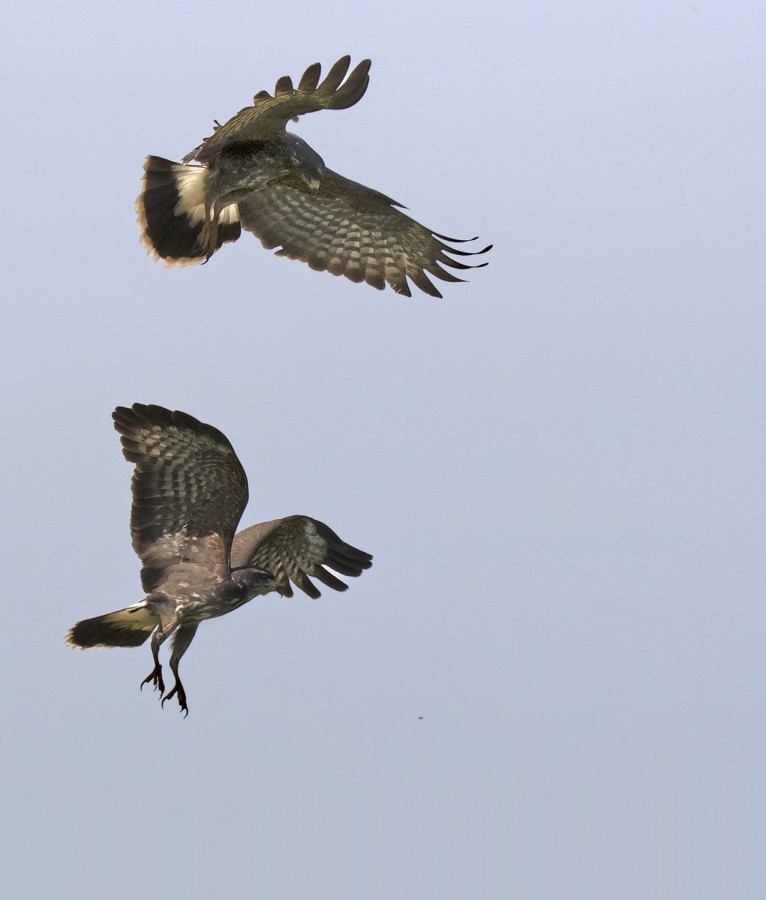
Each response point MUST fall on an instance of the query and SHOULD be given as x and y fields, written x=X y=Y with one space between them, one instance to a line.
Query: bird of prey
x=251 y=173
x=189 y=491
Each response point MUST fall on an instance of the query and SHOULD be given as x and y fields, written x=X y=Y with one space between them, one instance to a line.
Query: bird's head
x=309 y=165
x=254 y=581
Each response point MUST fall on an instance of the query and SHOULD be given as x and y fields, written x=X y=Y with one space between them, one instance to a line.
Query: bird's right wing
x=348 y=229
x=296 y=547
x=268 y=115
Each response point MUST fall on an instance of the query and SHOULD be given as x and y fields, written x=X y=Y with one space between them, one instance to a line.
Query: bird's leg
x=155 y=676
x=183 y=637
x=208 y=238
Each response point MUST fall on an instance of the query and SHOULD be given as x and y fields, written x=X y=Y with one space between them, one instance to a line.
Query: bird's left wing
x=189 y=491
x=268 y=115
x=348 y=229
x=296 y=547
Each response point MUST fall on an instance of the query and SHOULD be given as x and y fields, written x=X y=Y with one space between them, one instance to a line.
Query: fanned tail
x=128 y=627
x=171 y=214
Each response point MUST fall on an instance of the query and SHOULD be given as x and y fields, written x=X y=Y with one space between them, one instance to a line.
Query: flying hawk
x=189 y=491
x=253 y=174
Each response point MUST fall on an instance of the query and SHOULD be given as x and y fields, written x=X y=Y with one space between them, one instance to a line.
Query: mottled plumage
x=189 y=491
x=251 y=173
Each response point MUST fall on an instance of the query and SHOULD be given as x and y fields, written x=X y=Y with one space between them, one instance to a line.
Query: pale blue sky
x=559 y=467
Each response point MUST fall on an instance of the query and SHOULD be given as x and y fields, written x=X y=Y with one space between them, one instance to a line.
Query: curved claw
x=177 y=689
x=155 y=677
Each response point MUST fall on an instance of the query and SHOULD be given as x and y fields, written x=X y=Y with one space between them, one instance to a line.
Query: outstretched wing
x=189 y=491
x=296 y=547
x=349 y=229
x=268 y=115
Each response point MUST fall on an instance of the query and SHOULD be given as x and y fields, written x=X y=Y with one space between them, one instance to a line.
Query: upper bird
x=189 y=491
x=255 y=174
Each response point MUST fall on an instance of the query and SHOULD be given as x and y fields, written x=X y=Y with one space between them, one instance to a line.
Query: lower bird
x=189 y=492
